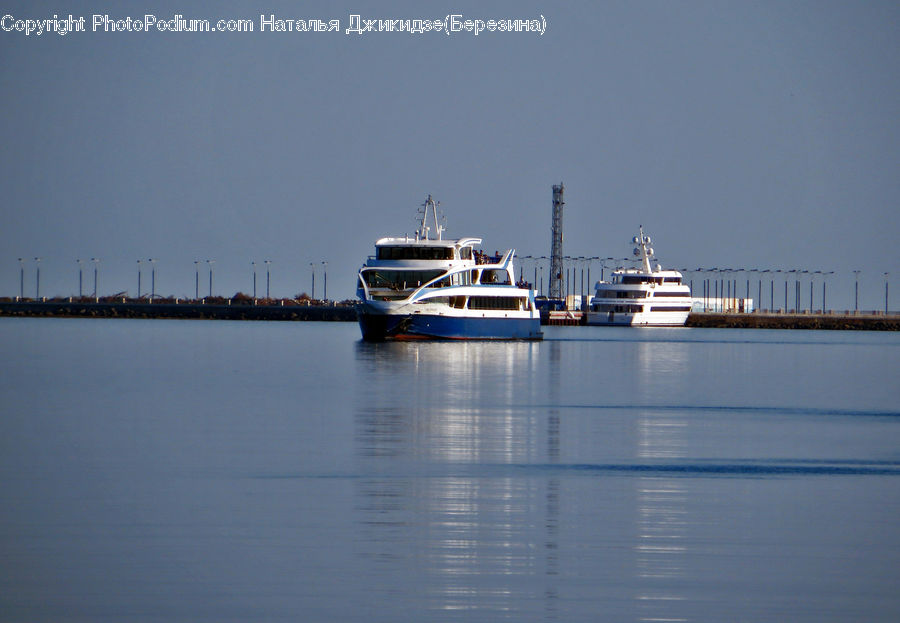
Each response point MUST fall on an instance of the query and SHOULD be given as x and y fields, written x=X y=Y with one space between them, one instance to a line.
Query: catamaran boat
x=647 y=296
x=426 y=286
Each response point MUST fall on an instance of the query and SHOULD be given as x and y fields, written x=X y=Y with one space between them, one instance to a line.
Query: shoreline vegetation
x=305 y=309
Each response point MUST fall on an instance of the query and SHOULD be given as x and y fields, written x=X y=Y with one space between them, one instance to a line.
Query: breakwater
x=831 y=321
x=191 y=309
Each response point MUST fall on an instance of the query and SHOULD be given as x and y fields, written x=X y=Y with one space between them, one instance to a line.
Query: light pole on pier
x=824 y=285
x=79 y=262
x=811 y=283
x=312 y=268
x=856 y=291
x=152 y=278
x=324 y=280
x=21 y=278
x=96 y=261
x=253 y=268
x=886 y=277
x=267 y=263
x=196 y=279
x=139 y=279
x=210 y=264
x=37 y=279
x=792 y=273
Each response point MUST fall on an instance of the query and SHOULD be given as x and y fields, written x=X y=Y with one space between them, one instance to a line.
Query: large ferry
x=647 y=296
x=428 y=287
x=425 y=287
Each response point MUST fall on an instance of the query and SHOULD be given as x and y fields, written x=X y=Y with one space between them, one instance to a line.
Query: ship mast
x=424 y=229
x=644 y=250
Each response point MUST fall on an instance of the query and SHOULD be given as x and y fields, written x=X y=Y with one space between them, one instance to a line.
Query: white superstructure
x=646 y=296
x=431 y=287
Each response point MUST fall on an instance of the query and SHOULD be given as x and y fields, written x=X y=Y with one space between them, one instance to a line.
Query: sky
x=751 y=135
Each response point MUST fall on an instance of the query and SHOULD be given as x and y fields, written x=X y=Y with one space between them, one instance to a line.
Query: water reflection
x=662 y=521
x=452 y=404
x=440 y=501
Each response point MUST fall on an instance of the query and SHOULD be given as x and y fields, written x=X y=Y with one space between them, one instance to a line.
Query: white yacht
x=647 y=296
x=425 y=287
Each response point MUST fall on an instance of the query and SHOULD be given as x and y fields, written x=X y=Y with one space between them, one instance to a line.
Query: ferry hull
x=380 y=327
x=622 y=319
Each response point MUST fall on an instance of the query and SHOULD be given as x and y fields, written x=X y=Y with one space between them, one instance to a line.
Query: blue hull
x=377 y=327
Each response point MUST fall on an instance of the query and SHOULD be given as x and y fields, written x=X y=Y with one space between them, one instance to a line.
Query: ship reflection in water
x=662 y=516
x=444 y=497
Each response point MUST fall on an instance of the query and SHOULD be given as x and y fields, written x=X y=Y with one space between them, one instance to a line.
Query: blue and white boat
x=425 y=287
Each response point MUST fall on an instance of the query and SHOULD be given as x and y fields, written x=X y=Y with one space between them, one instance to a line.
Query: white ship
x=648 y=296
x=427 y=287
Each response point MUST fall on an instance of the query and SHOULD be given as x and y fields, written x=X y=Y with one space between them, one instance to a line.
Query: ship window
x=459 y=302
x=460 y=279
x=672 y=279
x=442 y=300
x=637 y=279
x=496 y=302
x=678 y=294
x=495 y=277
x=415 y=253
x=465 y=253
x=679 y=308
x=622 y=294
x=399 y=279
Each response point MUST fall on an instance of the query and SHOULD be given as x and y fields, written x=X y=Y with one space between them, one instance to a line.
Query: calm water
x=227 y=471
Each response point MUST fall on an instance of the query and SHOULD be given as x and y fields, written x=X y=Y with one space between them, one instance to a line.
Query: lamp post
x=96 y=261
x=704 y=280
x=811 y=280
x=152 y=278
x=267 y=263
x=196 y=280
x=21 y=278
x=785 y=292
x=543 y=257
x=581 y=260
x=253 y=268
x=824 y=284
x=796 y=288
x=886 y=276
x=139 y=279
x=771 y=292
x=312 y=268
x=856 y=292
x=324 y=281
x=210 y=264
x=759 y=288
x=590 y=260
x=37 y=279
x=79 y=262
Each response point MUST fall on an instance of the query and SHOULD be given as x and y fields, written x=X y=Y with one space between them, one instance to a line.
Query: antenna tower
x=556 y=246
